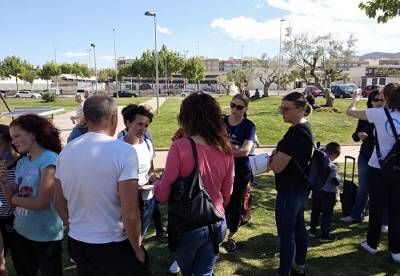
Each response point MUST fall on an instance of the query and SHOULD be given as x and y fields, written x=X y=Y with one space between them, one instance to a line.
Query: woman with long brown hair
x=200 y=118
x=39 y=230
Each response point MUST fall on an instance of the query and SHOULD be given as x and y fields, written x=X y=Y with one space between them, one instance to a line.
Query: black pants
x=32 y=256
x=322 y=206
x=7 y=232
x=382 y=190
x=157 y=219
x=115 y=258
x=234 y=208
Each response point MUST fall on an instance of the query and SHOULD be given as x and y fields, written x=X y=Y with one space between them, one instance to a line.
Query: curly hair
x=200 y=114
x=46 y=134
x=129 y=112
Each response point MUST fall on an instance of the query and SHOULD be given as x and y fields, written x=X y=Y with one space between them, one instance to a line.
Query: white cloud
x=338 y=17
x=163 y=30
x=105 y=58
x=74 y=54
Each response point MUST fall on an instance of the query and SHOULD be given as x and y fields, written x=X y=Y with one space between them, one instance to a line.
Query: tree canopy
x=382 y=10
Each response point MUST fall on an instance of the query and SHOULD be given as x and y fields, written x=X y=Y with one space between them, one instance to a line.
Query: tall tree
x=224 y=82
x=240 y=78
x=375 y=8
x=66 y=68
x=194 y=70
x=267 y=71
x=12 y=66
x=29 y=73
x=49 y=70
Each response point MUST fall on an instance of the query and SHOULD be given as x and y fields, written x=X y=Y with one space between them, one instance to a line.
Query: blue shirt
x=332 y=182
x=37 y=225
x=246 y=130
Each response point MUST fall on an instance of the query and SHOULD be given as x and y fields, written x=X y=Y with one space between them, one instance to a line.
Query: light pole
x=95 y=64
x=155 y=57
x=280 y=53
x=116 y=67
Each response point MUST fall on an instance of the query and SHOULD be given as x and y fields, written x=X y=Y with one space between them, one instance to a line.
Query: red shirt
x=216 y=169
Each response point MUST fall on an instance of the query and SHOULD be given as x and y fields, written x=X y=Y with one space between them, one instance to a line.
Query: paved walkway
x=65 y=125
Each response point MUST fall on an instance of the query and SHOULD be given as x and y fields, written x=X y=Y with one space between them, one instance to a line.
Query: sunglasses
x=237 y=106
x=378 y=100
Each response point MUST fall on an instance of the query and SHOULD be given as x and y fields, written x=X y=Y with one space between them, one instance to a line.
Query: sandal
x=229 y=245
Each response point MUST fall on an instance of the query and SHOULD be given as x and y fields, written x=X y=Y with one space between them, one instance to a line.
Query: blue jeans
x=322 y=207
x=358 y=210
x=293 y=242
x=147 y=214
x=195 y=251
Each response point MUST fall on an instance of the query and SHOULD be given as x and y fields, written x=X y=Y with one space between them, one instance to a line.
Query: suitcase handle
x=345 y=167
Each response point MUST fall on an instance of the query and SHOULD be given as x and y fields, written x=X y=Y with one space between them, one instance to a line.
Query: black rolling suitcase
x=349 y=194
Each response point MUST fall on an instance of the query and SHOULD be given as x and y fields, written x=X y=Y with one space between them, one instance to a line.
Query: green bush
x=49 y=97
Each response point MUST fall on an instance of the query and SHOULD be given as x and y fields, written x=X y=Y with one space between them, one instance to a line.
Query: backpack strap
x=396 y=137
x=392 y=126
x=147 y=143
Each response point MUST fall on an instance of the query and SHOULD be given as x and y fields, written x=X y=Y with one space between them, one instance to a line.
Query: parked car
x=144 y=86
x=125 y=94
x=369 y=88
x=315 y=91
x=186 y=92
x=344 y=90
x=3 y=93
x=27 y=94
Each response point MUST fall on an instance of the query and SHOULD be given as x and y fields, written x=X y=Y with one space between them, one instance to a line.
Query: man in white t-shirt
x=96 y=195
x=137 y=120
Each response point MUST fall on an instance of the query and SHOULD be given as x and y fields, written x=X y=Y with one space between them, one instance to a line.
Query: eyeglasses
x=284 y=109
x=237 y=106
x=378 y=100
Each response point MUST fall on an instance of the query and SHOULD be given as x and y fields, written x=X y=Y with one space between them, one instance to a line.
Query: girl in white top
x=381 y=187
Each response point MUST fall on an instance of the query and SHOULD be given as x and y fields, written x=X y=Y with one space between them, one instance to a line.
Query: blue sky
x=31 y=28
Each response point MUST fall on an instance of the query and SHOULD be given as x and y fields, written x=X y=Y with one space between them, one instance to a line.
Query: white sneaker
x=368 y=248
x=347 y=219
x=384 y=229
x=174 y=268
x=396 y=257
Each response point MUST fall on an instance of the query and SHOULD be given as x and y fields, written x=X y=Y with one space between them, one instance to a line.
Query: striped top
x=7 y=209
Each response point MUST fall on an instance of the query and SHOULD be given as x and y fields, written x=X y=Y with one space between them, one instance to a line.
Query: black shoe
x=294 y=272
x=329 y=238
x=161 y=238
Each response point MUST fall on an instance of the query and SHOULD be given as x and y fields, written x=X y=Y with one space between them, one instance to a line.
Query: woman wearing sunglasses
x=364 y=133
x=288 y=162
x=241 y=132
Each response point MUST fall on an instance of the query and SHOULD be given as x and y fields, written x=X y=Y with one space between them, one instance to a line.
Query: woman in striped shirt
x=8 y=162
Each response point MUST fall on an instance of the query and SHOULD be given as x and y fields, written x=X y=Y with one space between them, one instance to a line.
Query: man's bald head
x=97 y=108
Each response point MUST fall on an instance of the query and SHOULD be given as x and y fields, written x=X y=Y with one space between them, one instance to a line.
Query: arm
x=353 y=112
x=8 y=193
x=46 y=190
x=128 y=194
x=60 y=202
x=162 y=188
x=358 y=129
x=244 y=150
x=227 y=184
x=279 y=161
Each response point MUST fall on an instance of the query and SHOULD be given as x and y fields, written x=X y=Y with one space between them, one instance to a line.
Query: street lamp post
x=280 y=53
x=95 y=64
x=156 y=58
x=116 y=67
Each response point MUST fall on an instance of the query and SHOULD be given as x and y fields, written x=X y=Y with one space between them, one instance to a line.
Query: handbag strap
x=396 y=137
x=194 y=151
x=392 y=126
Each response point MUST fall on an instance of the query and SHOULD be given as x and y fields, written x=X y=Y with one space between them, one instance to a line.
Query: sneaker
x=294 y=272
x=174 y=268
x=368 y=248
x=329 y=238
x=312 y=234
x=229 y=245
x=384 y=229
x=396 y=257
x=348 y=219
x=161 y=238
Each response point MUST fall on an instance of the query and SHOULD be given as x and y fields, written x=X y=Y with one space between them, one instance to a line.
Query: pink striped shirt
x=216 y=170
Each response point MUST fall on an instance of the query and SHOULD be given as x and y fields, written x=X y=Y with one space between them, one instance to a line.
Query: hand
x=153 y=178
x=3 y=176
x=140 y=255
x=362 y=135
x=355 y=97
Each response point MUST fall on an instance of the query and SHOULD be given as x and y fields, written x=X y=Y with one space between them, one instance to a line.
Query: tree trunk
x=266 y=89
x=47 y=85
x=16 y=82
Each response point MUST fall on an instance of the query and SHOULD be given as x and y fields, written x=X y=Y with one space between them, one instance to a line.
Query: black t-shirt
x=297 y=144
x=246 y=130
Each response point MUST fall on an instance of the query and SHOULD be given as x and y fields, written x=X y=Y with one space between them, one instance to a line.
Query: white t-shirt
x=89 y=169
x=386 y=139
x=145 y=155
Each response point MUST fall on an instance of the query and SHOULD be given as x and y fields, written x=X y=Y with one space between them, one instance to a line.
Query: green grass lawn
x=328 y=124
x=257 y=251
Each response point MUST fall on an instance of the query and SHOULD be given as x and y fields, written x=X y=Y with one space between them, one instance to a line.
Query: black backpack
x=318 y=169
x=390 y=165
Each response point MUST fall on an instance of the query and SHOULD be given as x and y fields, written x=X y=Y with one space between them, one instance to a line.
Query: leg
x=157 y=219
x=286 y=216
x=76 y=250
x=25 y=263
x=3 y=270
x=394 y=216
x=362 y=194
x=49 y=256
x=377 y=202
x=301 y=237
x=328 y=203
x=315 y=212
x=146 y=215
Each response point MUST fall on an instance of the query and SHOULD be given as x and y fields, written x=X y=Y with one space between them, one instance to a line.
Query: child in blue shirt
x=323 y=201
